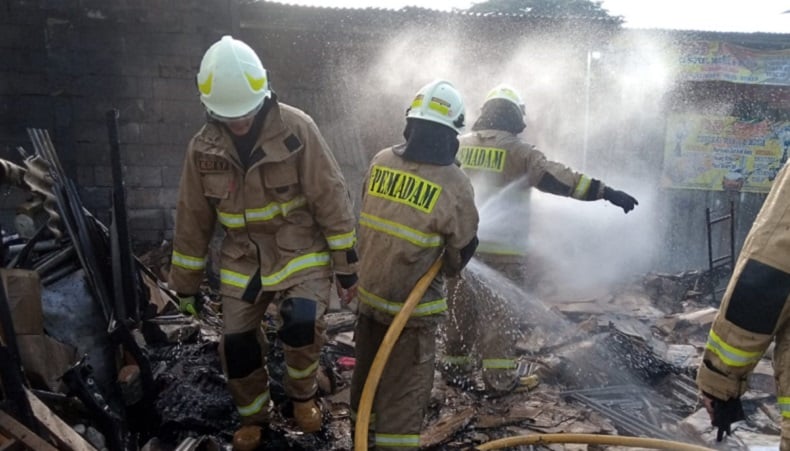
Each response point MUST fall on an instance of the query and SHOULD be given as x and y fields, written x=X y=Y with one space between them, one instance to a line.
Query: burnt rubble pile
x=95 y=354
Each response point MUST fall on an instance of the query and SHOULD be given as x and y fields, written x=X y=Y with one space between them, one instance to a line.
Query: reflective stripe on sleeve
x=729 y=354
x=401 y=231
x=188 y=261
x=343 y=241
x=580 y=192
x=392 y=308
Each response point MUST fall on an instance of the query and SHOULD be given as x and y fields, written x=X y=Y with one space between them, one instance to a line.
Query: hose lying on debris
x=590 y=439
x=383 y=354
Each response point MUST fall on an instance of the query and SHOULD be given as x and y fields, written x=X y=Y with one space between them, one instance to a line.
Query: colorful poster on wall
x=723 y=153
x=720 y=61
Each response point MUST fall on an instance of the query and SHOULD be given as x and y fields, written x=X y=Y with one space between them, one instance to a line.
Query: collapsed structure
x=613 y=361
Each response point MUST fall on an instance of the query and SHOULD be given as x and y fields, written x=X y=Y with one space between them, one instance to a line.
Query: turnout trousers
x=244 y=347
x=404 y=391
x=482 y=330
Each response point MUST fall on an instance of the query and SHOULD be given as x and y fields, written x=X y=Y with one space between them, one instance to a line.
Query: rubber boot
x=248 y=438
x=307 y=416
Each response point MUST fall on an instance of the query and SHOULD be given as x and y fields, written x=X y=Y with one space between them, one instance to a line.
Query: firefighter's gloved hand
x=620 y=198
x=189 y=305
x=723 y=414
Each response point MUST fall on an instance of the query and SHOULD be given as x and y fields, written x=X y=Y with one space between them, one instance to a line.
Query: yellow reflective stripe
x=273 y=209
x=342 y=241
x=233 y=278
x=499 y=249
x=729 y=354
x=383 y=305
x=236 y=220
x=784 y=405
x=231 y=220
x=398 y=440
x=240 y=280
x=296 y=202
x=499 y=364
x=263 y=214
x=188 y=261
x=293 y=373
x=582 y=187
x=401 y=231
x=297 y=264
x=255 y=406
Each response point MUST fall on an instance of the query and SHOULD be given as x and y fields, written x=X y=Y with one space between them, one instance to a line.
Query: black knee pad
x=242 y=354
x=758 y=298
x=298 y=327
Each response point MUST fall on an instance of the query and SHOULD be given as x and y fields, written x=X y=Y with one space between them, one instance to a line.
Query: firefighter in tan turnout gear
x=264 y=172
x=754 y=312
x=417 y=206
x=500 y=163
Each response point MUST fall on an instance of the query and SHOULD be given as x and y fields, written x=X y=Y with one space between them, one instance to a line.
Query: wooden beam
x=19 y=433
x=67 y=438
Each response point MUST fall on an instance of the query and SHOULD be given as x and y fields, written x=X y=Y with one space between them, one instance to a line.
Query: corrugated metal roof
x=455 y=12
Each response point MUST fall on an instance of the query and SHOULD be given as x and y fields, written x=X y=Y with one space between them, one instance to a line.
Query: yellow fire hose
x=590 y=439
x=383 y=354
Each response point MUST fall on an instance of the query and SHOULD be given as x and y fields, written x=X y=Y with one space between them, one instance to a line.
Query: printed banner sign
x=720 y=61
x=723 y=153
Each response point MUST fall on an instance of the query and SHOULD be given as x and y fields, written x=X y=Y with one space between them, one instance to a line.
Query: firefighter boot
x=248 y=438
x=307 y=416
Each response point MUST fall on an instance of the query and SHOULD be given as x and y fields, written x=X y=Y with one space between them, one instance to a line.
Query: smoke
x=584 y=245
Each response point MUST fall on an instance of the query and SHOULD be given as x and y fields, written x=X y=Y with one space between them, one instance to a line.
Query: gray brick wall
x=65 y=64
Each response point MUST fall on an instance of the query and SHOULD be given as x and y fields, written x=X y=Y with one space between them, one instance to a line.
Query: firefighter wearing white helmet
x=263 y=171
x=417 y=206
x=439 y=102
x=232 y=80
x=502 y=165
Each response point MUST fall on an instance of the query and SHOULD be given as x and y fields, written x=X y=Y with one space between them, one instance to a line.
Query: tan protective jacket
x=494 y=159
x=411 y=212
x=733 y=350
x=290 y=215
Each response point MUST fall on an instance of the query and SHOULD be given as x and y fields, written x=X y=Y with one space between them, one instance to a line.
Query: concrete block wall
x=67 y=63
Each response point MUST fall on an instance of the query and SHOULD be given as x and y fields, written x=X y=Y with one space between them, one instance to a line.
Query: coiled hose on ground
x=590 y=439
x=382 y=355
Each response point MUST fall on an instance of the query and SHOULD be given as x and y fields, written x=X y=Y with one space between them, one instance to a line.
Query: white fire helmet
x=440 y=102
x=232 y=80
x=508 y=93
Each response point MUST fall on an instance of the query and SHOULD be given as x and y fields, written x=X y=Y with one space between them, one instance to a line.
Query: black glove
x=724 y=414
x=347 y=280
x=620 y=198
